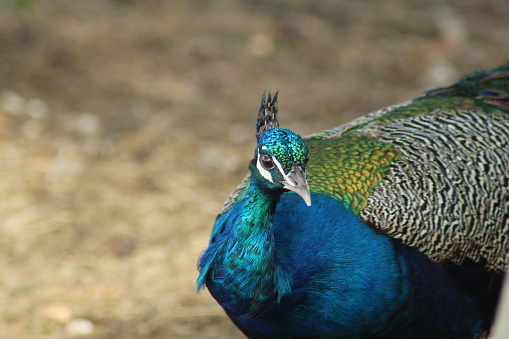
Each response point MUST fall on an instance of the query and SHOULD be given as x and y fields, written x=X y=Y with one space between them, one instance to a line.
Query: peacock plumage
x=395 y=225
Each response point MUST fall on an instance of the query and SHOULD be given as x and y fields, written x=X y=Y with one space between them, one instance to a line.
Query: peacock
x=395 y=225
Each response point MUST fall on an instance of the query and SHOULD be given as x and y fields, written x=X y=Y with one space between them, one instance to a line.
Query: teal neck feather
x=246 y=264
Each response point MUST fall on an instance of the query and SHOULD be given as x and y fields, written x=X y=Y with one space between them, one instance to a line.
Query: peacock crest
x=267 y=115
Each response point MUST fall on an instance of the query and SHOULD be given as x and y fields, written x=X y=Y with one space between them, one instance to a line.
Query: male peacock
x=397 y=227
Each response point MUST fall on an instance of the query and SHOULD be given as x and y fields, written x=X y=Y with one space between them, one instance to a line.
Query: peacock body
x=395 y=225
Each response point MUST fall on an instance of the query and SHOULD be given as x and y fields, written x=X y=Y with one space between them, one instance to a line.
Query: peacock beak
x=296 y=181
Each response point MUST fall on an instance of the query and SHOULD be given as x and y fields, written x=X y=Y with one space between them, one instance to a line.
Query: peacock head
x=281 y=156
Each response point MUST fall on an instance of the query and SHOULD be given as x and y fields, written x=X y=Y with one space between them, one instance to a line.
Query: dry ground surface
x=125 y=124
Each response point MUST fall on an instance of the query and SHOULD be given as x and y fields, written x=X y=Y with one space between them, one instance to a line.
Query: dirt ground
x=125 y=124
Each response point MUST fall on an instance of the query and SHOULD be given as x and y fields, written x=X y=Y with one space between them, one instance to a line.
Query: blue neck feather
x=245 y=269
x=282 y=269
x=256 y=256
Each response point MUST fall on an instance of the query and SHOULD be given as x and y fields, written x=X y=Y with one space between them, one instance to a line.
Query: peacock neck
x=246 y=263
x=257 y=214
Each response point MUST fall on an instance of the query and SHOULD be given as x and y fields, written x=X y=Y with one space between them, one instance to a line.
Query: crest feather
x=267 y=114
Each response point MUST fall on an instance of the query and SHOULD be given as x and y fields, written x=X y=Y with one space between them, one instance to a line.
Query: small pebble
x=79 y=327
x=89 y=123
x=37 y=109
x=12 y=103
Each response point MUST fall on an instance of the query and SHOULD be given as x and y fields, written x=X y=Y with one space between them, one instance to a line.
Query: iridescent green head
x=281 y=156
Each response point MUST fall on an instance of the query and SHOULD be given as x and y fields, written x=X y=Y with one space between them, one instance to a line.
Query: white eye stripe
x=266 y=174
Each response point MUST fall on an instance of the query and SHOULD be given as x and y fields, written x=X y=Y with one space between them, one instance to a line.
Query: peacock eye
x=267 y=162
x=494 y=93
x=491 y=93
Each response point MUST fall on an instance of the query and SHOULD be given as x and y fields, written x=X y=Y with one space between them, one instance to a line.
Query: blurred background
x=125 y=124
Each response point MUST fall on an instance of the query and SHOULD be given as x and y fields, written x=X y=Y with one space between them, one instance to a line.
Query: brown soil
x=125 y=124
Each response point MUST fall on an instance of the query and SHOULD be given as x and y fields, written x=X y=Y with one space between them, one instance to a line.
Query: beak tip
x=304 y=193
x=307 y=198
